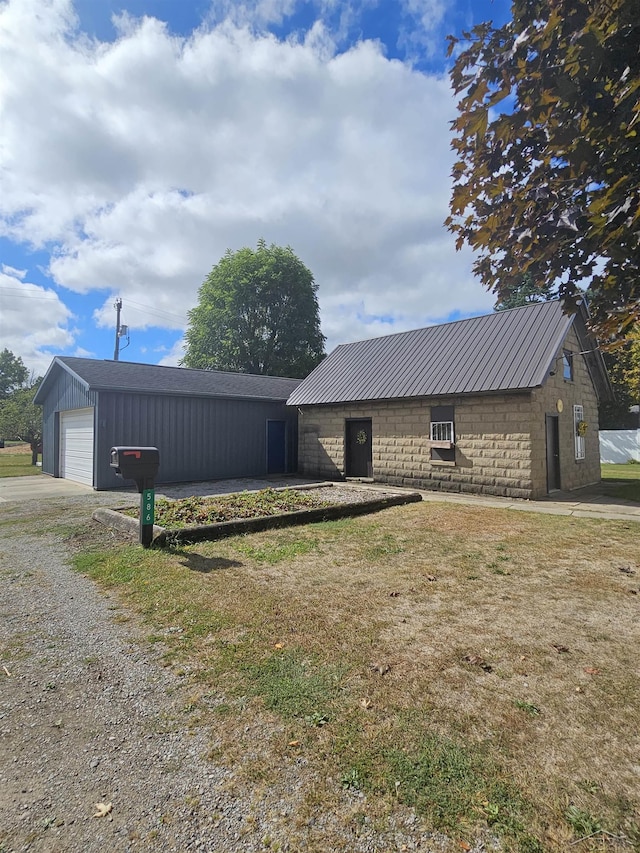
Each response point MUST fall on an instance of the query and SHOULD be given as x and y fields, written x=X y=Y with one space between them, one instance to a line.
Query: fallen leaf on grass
x=103 y=809
x=560 y=648
x=294 y=743
x=464 y=845
x=476 y=660
x=592 y=670
x=279 y=646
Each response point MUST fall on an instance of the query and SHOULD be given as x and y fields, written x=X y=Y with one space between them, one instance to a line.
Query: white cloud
x=34 y=322
x=422 y=30
x=146 y=158
x=174 y=357
x=12 y=271
x=255 y=13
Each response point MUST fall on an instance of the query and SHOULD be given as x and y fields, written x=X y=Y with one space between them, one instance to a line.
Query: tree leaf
x=567 y=149
x=103 y=809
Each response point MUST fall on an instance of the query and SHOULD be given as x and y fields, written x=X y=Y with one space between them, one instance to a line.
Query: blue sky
x=139 y=140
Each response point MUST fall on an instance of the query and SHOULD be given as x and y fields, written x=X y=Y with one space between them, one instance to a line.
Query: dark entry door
x=276 y=447
x=553 y=453
x=359 y=448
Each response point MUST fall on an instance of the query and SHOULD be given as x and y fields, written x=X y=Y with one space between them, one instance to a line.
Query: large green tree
x=547 y=178
x=623 y=366
x=257 y=312
x=13 y=373
x=523 y=292
x=21 y=419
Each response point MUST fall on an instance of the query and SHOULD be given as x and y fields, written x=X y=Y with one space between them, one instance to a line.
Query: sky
x=141 y=139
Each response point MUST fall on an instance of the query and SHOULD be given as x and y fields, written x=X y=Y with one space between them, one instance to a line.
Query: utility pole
x=118 y=306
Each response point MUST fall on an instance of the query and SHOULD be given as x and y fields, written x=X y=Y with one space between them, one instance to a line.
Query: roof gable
x=505 y=351
x=126 y=376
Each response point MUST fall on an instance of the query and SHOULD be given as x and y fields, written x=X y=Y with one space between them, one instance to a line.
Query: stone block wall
x=493 y=443
x=574 y=473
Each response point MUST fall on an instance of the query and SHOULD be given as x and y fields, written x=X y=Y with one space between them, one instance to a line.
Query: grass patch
x=295 y=685
x=622 y=481
x=389 y=656
x=528 y=707
x=15 y=461
x=583 y=823
x=454 y=787
x=285 y=548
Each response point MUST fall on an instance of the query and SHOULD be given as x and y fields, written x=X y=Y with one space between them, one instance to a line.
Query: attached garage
x=76 y=445
x=206 y=424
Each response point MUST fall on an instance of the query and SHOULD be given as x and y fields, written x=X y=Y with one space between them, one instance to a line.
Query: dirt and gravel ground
x=96 y=753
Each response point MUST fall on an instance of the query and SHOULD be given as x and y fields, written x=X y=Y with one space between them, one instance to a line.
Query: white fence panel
x=619 y=445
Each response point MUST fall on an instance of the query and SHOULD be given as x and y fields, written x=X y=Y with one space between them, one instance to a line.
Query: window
x=443 y=432
x=579 y=431
x=567 y=365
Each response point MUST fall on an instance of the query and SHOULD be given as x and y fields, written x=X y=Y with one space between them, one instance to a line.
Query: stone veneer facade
x=500 y=439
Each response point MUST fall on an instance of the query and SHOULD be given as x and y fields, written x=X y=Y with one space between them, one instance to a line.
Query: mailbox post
x=140 y=464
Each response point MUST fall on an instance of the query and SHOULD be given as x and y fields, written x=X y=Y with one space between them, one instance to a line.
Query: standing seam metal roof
x=504 y=351
x=157 y=379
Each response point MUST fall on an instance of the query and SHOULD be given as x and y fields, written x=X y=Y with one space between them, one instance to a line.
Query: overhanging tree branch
x=552 y=187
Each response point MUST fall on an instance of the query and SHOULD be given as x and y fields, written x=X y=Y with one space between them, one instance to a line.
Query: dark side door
x=276 y=447
x=553 y=453
x=359 y=448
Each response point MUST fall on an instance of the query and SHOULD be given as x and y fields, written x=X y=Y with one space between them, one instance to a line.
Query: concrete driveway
x=41 y=486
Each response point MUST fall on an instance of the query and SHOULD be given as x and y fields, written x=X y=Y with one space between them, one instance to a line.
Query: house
x=503 y=404
x=206 y=424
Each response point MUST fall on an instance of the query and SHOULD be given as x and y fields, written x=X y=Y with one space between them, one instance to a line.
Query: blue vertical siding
x=199 y=438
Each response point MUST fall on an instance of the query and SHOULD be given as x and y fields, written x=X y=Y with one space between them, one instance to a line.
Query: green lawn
x=622 y=481
x=433 y=657
x=16 y=462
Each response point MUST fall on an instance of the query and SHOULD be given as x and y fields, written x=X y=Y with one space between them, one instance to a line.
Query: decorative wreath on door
x=361 y=437
x=582 y=427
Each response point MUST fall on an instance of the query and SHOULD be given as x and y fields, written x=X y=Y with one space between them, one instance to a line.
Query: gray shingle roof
x=156 y=379
x=505 y=351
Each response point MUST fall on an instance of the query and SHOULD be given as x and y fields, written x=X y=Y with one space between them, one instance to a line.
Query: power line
x=154 y=310
x=28 y=294
x=160 y=312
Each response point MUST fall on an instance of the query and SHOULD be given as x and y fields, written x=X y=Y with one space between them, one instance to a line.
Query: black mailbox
x=135 y=463
x=140 y=464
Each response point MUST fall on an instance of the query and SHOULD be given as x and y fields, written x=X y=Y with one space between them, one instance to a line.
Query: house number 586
x=148 y=501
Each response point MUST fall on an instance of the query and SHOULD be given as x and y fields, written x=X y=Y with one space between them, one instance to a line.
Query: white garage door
x=76 y=445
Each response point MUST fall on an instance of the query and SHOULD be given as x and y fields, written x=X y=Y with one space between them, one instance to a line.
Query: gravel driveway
x=89 y=716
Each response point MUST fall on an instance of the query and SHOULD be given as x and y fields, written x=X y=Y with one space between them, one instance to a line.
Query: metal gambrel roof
x=127 y=376
x=505 y=351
